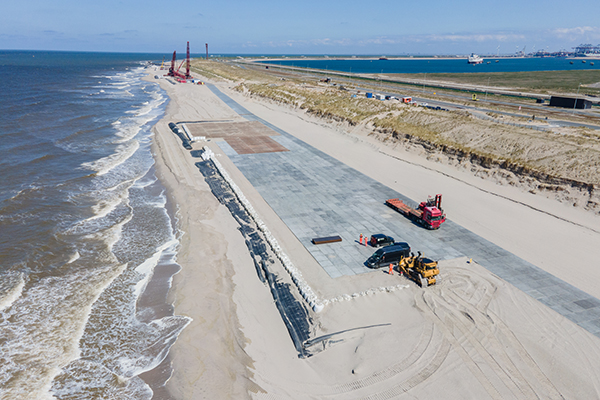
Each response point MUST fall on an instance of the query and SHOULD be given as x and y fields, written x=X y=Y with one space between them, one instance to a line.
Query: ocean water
x=460 y=65
x=84 y=228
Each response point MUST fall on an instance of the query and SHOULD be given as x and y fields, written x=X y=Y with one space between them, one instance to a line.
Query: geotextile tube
x=304 y=288
x=293 y=313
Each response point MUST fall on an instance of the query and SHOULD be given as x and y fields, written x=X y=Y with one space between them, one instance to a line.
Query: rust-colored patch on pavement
x=257 y=144
x=245 y=137
x=226 y=129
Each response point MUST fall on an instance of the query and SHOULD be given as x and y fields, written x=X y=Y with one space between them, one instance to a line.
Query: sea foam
x=11 y=288
x=104 y=165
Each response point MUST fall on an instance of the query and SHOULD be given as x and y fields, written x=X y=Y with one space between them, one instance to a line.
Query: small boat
x=474 y=59
x=592 y=63
x=570 y=62
x=489 y=62
x=497 y=60
x=583 y=61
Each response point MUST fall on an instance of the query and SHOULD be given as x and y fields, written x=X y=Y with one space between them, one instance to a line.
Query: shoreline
x=203 y=248
x=161 y=283
x=237 y=345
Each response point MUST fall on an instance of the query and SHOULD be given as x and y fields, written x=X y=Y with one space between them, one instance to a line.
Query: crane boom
x=175 y=73
x=187 y=67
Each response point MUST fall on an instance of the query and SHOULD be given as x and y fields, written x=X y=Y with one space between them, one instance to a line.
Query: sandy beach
x=472 y=336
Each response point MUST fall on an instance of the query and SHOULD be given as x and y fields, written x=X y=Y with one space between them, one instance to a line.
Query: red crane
x=176 y=73
x=187 y=65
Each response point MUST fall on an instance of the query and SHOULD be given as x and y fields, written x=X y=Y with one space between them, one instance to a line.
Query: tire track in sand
x=464 y=301
x=446 y=326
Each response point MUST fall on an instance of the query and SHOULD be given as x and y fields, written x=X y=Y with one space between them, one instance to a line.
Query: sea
x=88 y=238
x=442 y=65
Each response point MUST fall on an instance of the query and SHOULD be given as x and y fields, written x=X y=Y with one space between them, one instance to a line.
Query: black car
x=389 y=255
x=379 y=239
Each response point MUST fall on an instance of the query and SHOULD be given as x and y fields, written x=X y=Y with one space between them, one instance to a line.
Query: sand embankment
x=472 y=336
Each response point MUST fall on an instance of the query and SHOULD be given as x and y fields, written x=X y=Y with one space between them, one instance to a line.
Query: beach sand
x=471 y=336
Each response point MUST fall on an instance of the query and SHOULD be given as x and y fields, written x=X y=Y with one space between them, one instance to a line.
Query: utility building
x=570 y=102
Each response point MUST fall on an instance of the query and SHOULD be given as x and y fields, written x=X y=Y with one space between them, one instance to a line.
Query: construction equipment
x=429 y=213
x=175 y=72
x=420 y=269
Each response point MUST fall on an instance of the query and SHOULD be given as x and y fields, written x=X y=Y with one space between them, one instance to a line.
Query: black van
x=389 y=255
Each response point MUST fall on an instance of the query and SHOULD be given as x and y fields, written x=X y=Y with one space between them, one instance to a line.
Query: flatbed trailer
x=429 y=213
x=404 y=208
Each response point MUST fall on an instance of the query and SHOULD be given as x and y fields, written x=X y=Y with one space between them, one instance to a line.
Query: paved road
x=316 y=195
x=427 y=89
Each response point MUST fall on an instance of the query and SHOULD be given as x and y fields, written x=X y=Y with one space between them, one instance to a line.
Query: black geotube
x=293 y=313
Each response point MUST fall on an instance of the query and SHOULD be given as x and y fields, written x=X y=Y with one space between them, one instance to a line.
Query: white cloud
x=493 y=37
x=586 y=33
x=442 y=43
x=406 y=39
x=311 y=42
x=579 y=30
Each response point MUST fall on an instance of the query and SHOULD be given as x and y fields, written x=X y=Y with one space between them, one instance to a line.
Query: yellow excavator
x=420 y=269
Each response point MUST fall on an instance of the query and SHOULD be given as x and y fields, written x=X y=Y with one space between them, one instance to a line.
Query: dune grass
x=536 y=81
x=330 y=103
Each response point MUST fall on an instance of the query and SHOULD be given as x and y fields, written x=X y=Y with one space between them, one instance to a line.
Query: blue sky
x=300 y=27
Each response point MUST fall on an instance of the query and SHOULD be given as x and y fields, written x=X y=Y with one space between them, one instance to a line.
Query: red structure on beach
x=176 y=73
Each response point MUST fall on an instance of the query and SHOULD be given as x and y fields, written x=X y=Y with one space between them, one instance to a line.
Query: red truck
x=429 y=213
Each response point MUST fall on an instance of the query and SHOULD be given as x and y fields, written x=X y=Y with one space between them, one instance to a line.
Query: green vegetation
x=539 y=81
x=329 y=103
x=228 y=72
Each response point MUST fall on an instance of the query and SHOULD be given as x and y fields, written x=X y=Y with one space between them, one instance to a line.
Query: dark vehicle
x=379 y=240
x=389 y=255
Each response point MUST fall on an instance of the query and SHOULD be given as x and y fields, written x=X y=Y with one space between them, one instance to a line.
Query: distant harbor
x=415 y=65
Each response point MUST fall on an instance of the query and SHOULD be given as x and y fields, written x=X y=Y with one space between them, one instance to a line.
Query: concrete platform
x=316 y=195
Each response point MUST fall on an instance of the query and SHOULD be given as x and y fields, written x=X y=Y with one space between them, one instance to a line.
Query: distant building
x=570 y=102
x=583 y=49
